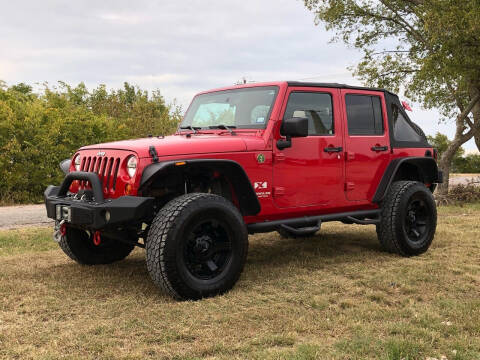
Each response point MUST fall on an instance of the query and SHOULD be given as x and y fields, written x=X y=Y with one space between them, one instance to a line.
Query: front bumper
x=98 y=213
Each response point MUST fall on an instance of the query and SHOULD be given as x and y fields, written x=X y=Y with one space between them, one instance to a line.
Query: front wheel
x=409 y=219
x=197 y=246
x=78 y=244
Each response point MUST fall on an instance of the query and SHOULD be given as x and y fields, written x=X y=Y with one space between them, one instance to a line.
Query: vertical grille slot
x=99 y=163
x=109 y=173
x=92 y=167
x=115 y=173
x=102 y=171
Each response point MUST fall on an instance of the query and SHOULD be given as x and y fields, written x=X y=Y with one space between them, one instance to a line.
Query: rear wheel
x=197 y=246
x=409 y=219
x=78 y=244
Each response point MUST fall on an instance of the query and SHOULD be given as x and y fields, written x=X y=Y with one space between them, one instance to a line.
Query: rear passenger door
x=367 y=145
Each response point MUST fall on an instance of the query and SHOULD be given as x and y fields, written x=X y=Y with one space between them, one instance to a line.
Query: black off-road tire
x=408 y=219
x=79 y=246
x=177 y=247
x=284 y=233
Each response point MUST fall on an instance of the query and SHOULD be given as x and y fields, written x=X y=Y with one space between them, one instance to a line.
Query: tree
x=430 y=49
x=37 y=131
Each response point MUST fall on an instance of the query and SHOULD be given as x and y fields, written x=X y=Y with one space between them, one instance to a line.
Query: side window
x=316 y=107
x=364 y=115
x=402 y=130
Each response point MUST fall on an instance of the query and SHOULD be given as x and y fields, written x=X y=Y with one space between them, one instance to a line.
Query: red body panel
x=298 y=181
x=364 y=167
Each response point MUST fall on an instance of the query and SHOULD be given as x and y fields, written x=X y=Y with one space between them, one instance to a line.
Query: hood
x=183 y=145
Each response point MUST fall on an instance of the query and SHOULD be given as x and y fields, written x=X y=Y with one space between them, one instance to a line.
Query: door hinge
x=349 y=155
x=278 y=191
x=349 y=186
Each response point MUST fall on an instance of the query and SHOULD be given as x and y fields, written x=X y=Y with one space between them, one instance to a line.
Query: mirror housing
x=293 y=127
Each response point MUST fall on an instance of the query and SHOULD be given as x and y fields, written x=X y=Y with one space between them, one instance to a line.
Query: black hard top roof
x=336 y=85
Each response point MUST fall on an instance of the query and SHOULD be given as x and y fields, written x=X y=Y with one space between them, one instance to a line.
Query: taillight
x=435 y=154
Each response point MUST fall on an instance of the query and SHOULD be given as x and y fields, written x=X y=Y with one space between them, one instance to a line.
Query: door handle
x=379 y=148
x=331 y=149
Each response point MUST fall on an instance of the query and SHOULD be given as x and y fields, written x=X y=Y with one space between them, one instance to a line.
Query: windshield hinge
x=154 y=154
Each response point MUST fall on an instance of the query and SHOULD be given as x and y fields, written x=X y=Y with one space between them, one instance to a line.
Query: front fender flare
x=248 y=201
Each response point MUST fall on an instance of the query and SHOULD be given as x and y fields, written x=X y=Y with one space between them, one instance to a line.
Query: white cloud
x=128 y=19
x=179 y=47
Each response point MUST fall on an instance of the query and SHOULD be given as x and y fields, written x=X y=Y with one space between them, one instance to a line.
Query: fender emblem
x=260 y=158
x=101 y=153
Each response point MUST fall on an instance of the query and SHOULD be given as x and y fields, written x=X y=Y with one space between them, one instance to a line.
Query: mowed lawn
x=332 y=296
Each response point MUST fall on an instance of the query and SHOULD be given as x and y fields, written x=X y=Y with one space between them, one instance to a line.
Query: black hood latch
x=154 y=154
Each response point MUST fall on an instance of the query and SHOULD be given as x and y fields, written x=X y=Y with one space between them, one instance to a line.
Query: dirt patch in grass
x=334 y=295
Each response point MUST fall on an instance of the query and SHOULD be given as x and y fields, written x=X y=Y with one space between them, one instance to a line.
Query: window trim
x=313 y=92
x=381 y=112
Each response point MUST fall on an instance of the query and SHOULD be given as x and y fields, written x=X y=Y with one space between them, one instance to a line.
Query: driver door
x=310 y=172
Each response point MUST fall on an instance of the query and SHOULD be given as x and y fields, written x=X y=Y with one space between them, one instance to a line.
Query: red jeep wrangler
x=280 y=156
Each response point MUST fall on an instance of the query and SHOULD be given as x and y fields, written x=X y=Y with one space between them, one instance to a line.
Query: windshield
x=247 y=108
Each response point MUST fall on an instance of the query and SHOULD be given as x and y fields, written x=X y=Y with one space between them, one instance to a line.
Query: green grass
x=26 y=240
x=332 y=296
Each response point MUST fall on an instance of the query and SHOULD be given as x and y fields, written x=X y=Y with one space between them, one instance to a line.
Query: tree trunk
x=460 y=138
x=445 y=163
x=476 y=116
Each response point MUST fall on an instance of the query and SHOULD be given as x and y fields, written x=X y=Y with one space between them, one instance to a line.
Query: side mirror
x=293 y=127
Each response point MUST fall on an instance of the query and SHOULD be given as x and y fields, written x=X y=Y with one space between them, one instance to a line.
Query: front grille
x=105 y=167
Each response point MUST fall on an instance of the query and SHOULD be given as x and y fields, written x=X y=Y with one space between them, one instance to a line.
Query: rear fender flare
x=426 y=168
x=248 y=201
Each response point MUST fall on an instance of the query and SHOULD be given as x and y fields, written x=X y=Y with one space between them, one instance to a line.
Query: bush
x=37 y=131
x=460 y=194
x=469 y=164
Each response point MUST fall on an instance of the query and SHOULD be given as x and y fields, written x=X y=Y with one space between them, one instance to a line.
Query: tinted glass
x=364 y=115
x=316 y=107
x=243 y=108
x=402 y=130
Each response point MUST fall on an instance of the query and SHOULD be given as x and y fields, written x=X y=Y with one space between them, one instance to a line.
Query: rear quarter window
x=402 y=128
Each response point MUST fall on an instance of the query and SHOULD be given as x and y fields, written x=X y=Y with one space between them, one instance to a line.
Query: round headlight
x=132 y=166
x=77 y=162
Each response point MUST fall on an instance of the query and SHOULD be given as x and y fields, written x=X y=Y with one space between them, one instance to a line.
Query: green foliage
x=460 y=163
x=430 y=49
x=37 y=131
x=441 y=142
x=469 y=164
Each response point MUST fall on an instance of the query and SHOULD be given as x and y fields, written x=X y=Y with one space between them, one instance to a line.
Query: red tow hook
x=97 y=238
x=63 y=229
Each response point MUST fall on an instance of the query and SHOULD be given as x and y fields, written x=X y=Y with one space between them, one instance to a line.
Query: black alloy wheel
x=408 y=219
x=208 y=249
x=197 y=246
x=416 y=220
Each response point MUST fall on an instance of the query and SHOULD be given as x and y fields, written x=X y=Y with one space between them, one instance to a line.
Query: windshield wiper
x=224 y=127
x=190 y=127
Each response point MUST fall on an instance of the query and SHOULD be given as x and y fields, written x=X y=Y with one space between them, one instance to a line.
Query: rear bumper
x=98 y=213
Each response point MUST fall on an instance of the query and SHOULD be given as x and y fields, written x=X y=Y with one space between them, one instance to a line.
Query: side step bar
x=363 y=217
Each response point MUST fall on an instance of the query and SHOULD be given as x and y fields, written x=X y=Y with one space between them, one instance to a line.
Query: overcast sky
x=179 y=47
